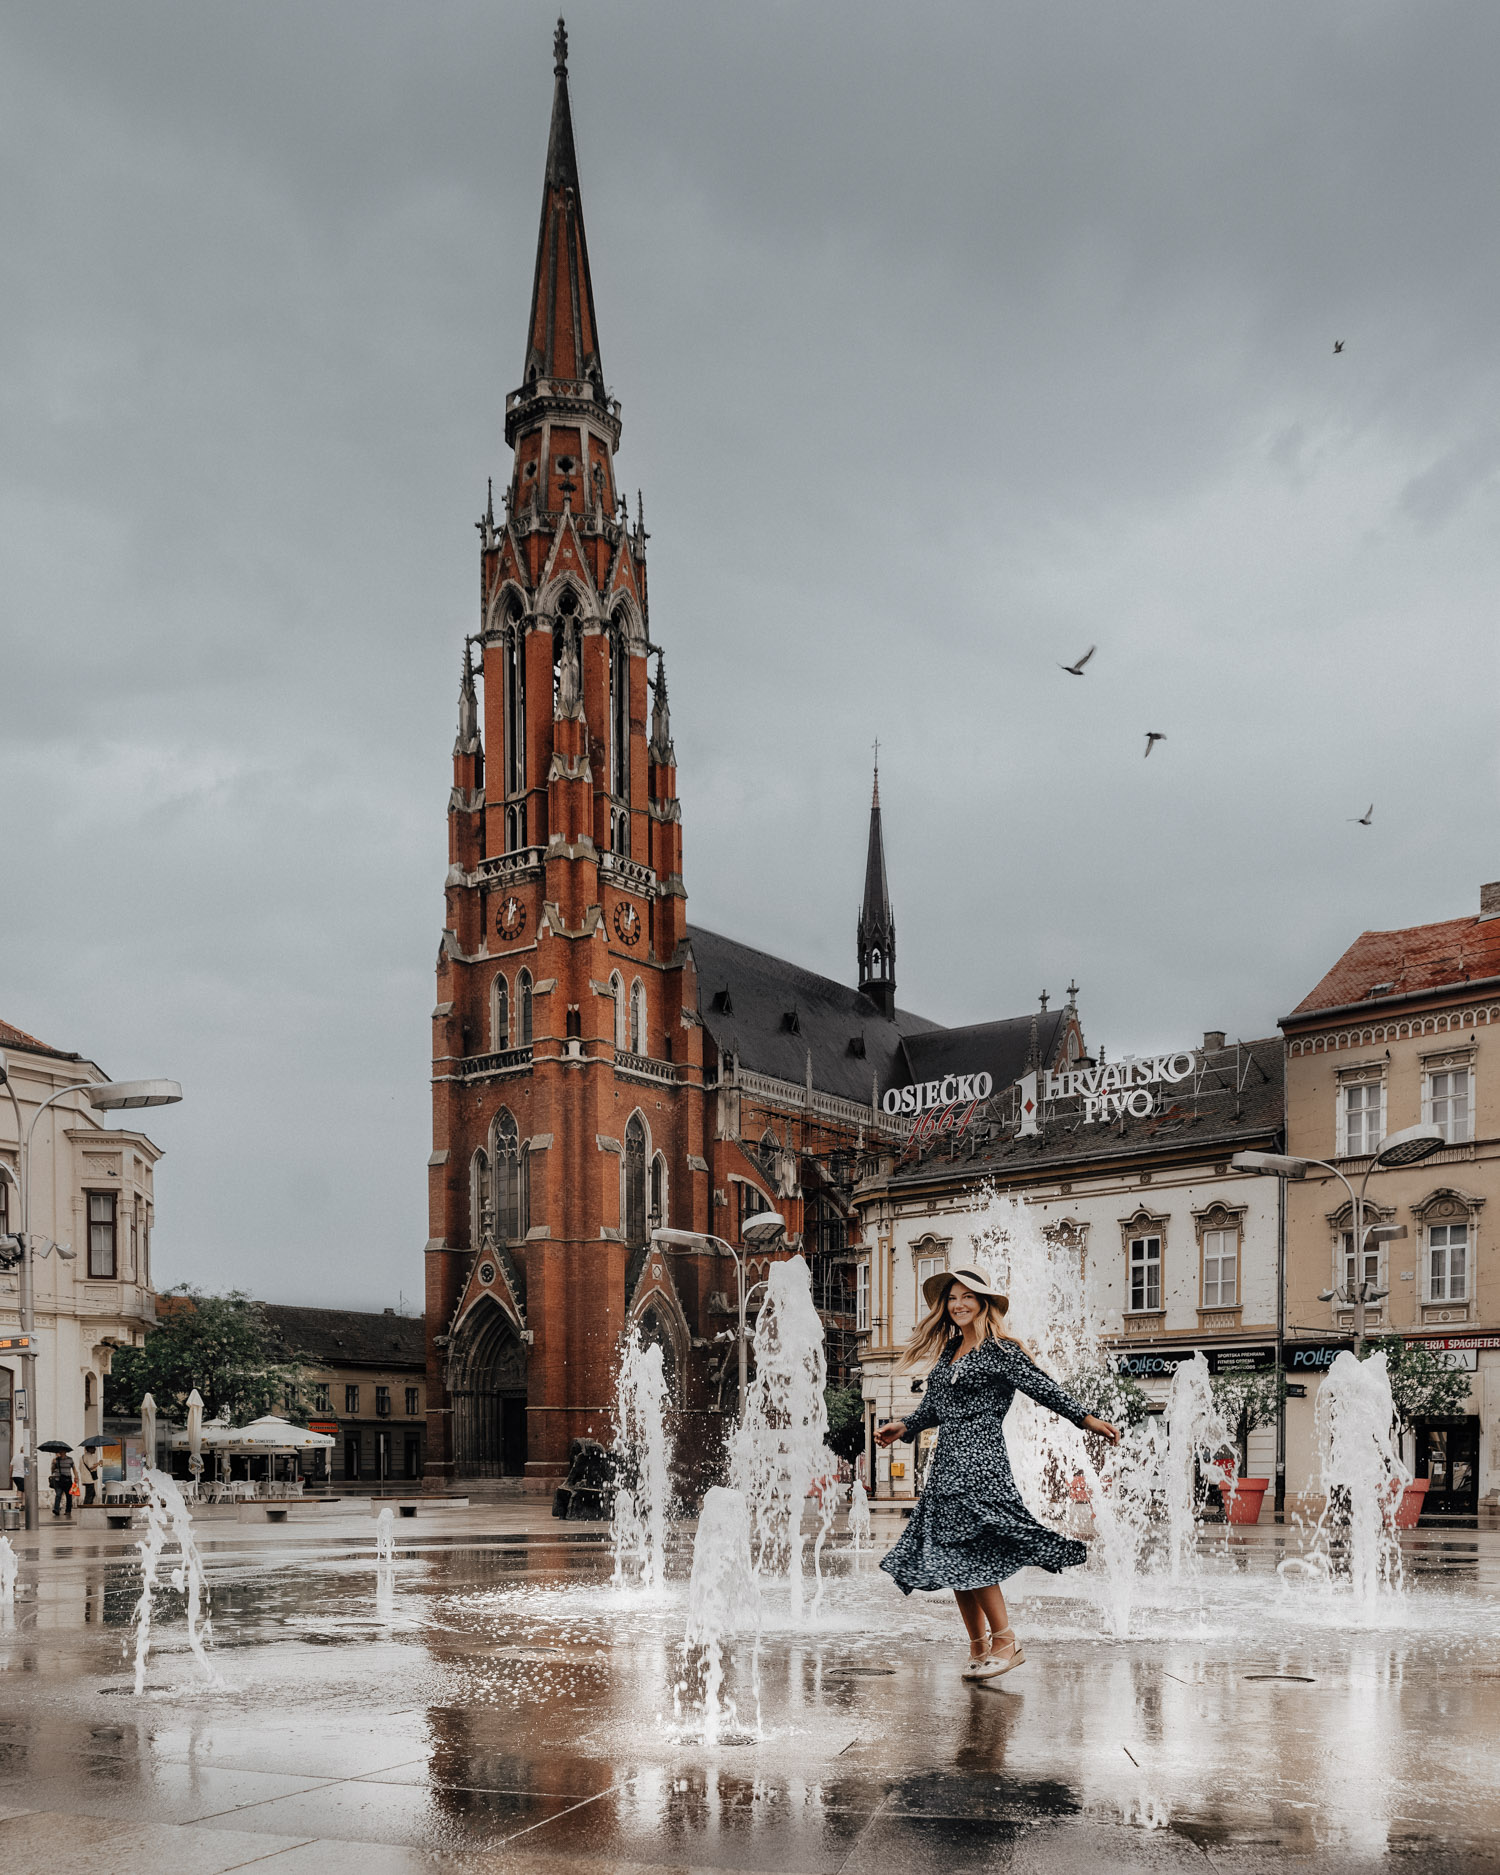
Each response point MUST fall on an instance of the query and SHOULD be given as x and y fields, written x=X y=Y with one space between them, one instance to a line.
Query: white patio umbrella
x=148 y=1430
x=195 y=1423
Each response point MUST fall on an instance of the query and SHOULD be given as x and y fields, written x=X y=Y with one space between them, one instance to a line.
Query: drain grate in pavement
x=1301 y=1679
x=862 y=1673
x=128 y=1692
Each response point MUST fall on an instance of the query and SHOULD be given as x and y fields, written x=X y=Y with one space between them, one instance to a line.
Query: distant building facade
x=364 y=1382
x=93 y=1190
x=1404 y=1030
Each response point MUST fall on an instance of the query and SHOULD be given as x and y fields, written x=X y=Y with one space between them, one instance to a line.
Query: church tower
x=568 y=1113
x=876 y=935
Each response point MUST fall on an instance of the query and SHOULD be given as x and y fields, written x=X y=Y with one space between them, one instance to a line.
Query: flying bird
x=1076 y=670
x=1364 y=819
x=1153 y=735
x=1338 y=346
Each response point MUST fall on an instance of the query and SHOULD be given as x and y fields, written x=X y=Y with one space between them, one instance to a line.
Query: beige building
x=1403 y=1031
x=93 y=1194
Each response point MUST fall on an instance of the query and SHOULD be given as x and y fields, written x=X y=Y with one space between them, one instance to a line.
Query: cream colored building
x=1403 y=1031
x=92 y=1191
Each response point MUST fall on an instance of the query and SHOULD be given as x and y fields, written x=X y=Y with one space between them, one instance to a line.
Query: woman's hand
x=889 y=1433
x=1102 y=1426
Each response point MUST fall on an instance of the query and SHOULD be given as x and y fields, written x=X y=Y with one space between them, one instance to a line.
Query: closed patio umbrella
x=195 y=1431
x=148 y=1430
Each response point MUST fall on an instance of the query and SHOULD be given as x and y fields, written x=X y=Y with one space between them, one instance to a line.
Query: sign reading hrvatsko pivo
x=1107 y=1092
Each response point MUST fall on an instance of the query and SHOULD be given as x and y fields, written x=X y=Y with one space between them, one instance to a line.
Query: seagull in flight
x=1364 y=819
x=1338 y=346
x=1153 y=736
x=1076 y=670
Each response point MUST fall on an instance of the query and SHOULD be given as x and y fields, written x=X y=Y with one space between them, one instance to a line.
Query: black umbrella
x=92 y=1444
x=53 y=1445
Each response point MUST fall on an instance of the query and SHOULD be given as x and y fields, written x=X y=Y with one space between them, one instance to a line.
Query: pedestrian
x=61 y=1480
x=89 y=1464
x=18 y=1461
x=971 y=1529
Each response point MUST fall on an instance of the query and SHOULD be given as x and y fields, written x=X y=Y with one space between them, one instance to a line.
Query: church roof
x=1000 y=1049
x=774 y=1015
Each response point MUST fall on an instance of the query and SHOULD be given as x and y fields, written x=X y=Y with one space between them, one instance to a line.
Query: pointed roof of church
x=562 y=339
x=875 y=912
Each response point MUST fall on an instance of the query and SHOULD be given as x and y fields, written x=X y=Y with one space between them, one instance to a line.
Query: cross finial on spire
x=560 y=49
x=1044 y=999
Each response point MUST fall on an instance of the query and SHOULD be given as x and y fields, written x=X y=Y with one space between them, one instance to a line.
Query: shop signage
x=1107 y=1092
x=1314 y=1357
x=1464 y=1342
x=1161 y=1363
x=954 y=1090
x=9 y=1344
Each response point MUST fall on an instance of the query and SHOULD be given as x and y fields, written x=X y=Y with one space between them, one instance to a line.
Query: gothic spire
x=662 y=751
x=468 y=711
x=877 y=924
x=562 y=340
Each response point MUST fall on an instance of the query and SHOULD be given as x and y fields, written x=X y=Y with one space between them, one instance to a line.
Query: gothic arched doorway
x=487 y=1386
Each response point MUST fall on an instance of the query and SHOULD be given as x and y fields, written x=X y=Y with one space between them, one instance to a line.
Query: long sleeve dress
x=970 y=1527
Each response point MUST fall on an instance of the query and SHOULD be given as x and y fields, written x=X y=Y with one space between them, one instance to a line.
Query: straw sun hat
x=971 y=1279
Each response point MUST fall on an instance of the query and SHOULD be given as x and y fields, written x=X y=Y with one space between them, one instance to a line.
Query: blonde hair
x=935 y=1330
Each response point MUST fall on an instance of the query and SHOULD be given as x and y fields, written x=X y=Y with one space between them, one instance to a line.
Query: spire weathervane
x=560 y=49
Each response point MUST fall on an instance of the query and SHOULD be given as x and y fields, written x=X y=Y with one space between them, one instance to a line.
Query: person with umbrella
x=89 y=1464
x=60 y=1478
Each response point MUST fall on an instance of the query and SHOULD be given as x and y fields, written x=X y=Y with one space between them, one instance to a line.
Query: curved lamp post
x=764 y=1225
x=103 y=1097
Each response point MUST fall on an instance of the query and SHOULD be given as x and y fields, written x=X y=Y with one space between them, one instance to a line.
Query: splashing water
x=1196 y=1434
x=8 y=1568
x=169 y=1521
x=723 y=1600
x=1363 y=1479
x=779 y=1446
x=644 y=1453
x=859 y=1517
x=385 y=1538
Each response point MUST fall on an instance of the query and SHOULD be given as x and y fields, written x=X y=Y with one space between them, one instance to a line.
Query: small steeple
x=877 y=925
x=661 y=749
x=562 y=339
x=468 y=711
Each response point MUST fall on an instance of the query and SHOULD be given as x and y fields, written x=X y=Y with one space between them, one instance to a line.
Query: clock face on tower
x=627 y=923
x=511 y=917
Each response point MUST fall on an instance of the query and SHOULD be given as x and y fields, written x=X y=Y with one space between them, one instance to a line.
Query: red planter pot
x=1413 y=1500
x=1245 y=1500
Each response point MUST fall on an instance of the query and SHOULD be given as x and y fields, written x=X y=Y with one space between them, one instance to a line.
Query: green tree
x=222 y=1345
x=1423 y=1385
x=846 y=1421
x=1248 y=1397
x=1105 y=1392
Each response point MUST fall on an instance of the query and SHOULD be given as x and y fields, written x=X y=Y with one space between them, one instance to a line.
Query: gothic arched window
x=633 y=1208
x=638 y=1018
x=514 y=672
x=479 y=1198
x=617 y=996
x=523 y=1009
x=506 y=1148
x=619 y=709
x=500 y=1015
x=658 y=1192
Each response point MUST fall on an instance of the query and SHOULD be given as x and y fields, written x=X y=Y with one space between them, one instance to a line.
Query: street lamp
x=764 y=1225
x=1408 y=1147
x=103 y=1097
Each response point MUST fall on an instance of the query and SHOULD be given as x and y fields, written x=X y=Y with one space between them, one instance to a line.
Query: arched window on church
x=499 y=1014
x=658 y=1193
x=523 y=1009
x=523 y=1183
x=638 y=1018
x=617 y=996
x=633 y=1206
x=567 y=613
x=514 y=655
x=506 y=1149
x=479 y=1198
x=619 y=709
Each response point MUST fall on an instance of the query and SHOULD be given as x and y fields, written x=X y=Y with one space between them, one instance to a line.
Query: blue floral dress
x=970 y=1527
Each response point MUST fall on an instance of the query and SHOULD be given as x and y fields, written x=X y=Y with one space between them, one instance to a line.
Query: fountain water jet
x=723 y=1599
x=168 y=1520
x=1363 y=1479
x=385 y=1538
x=859 y=1517
x=8 y=1568
x=643 y=1494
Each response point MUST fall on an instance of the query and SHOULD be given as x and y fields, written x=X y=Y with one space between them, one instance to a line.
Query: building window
x=1361 y=1118
x=1145 y=1273
x=506 y=1146
x=619 y=701
x=1448 y=1103
x=289 y=1399
x=135 y=1240
x=413 y=1456
x=500 y=1016
x=1221 y=1256
x=658 y=1192
x=101 y=1233
x=638 y=1018
x=523 y=1009
x=412 y=1408
x=479 y=1198
x=143 y=1269
x=633 y=1207
x=320 y=1396
x=382 y=1402
x=351 y=1399
x=928 y=1266
x=617 y=996
x=862 y=1298
x=1354 y=1274
x=514 y=654
x=88 y=1391
x=352 y=1462
x=4 y=1205
x=1447 y=1262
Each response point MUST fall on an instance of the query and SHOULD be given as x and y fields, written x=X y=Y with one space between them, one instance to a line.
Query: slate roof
x=1235 y=1096
x=1000 y=1048
x=1404 y=963
x=12 y=1037
x=348 y=1337
x=764 y=996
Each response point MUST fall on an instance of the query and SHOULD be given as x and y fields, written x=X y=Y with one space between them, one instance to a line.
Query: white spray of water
x=643 y=1451
x=859 y=1517
x=8 y=1568
x=1197 y=1433
x=385 y=1538
x=1363 y=1479
x=780 y=1444
x=723 y=1600
x=168 y=1521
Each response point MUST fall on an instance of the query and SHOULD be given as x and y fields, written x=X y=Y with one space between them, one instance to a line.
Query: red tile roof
x=12 y=1037
x=1381 y=964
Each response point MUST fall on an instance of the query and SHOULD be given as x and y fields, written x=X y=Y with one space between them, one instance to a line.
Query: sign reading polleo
x=1161 y=1363
x=1314 y=1357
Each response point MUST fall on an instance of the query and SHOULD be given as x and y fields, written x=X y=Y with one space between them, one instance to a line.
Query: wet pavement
x=493 y=1702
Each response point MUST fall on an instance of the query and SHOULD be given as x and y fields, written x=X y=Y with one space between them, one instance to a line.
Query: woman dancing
x=970 y=1529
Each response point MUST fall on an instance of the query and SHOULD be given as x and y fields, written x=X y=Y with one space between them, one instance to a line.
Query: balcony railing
x=645 y=1068
x=504 y=1061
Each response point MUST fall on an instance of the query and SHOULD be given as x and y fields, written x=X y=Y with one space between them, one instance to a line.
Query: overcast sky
x=951 y=340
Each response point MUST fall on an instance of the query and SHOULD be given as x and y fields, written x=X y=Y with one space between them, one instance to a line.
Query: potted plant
x=1247 y=1397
